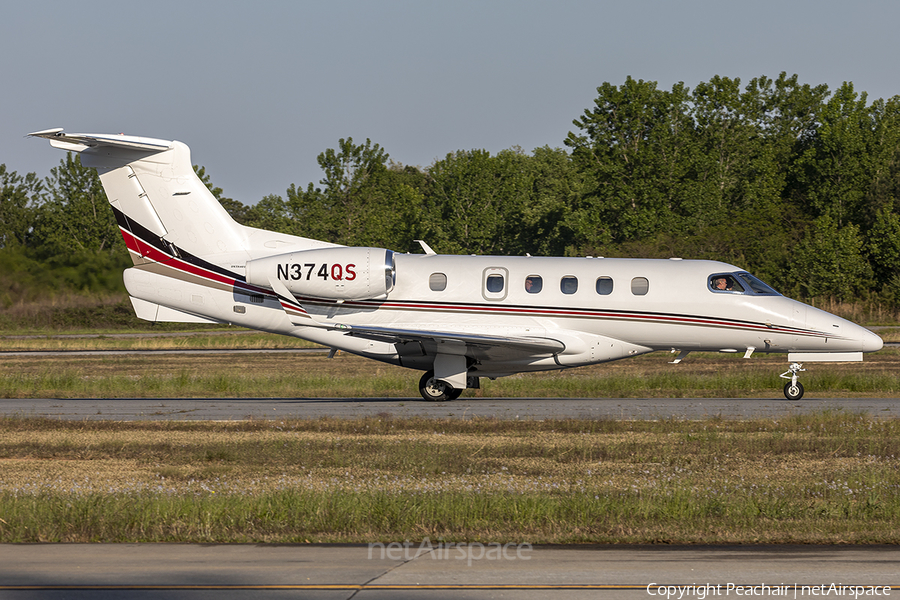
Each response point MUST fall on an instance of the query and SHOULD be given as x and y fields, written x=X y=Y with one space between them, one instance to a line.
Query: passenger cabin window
x=533 y=284
x=493 y=283
x=640 y=286
x=568 y=285
x=604 y=286
x=437 y=282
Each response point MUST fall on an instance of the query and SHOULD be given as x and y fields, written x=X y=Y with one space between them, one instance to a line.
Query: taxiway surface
x=82 y=571
x=502 y=408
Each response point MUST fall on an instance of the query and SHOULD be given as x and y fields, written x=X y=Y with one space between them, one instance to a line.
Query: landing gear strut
x=794 y=389
x=435 y=390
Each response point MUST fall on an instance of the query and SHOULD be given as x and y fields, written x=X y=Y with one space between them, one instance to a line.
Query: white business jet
x=457 y=318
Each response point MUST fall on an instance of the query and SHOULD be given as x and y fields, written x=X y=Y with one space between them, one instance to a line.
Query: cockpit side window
x=739 y=283
x=725 y=282
x=756 y=286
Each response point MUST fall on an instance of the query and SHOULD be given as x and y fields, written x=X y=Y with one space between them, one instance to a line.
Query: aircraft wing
x=471 y=344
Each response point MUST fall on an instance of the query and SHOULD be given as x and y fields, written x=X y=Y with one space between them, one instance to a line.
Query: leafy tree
x=364 y=202
x=270 y=213
x=839 y=167
x=884 y=191
x=339 y=212
x=309 y=214
x=883 y=247
x=477 y=201
x=394 y=201
x=634 y=149
x=349 y=172
x=737 y=162
x=828 y=261
x=18 y=199
x=76 y=214
x=556 y=186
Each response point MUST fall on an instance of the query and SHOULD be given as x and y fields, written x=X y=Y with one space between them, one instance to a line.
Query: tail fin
x=162 y=207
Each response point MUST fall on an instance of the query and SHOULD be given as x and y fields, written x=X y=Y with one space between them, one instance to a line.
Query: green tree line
x=794 y=182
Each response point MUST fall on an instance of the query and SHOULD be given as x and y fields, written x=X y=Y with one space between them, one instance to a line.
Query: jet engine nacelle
x=341 y=273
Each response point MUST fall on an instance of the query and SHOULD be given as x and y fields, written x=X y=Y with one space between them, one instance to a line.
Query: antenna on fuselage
x=425 y=247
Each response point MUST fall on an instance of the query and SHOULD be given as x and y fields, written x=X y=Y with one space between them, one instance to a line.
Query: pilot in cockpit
x=722 y=284
x=725 y=283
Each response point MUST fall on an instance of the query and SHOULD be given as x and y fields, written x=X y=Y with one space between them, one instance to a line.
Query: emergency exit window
x=494 y=284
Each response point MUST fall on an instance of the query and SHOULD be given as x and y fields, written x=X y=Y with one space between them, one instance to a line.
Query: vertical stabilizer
x=162 y=207
x=158 y=193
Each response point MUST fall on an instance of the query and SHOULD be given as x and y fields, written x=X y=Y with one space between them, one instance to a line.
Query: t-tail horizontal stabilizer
x=78 y=142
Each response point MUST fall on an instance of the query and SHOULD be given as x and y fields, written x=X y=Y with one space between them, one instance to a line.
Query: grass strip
x=829 y=477
x=311 y=376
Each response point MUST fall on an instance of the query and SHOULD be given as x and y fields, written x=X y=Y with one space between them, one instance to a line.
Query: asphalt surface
x=501 y=408
x=82 y=571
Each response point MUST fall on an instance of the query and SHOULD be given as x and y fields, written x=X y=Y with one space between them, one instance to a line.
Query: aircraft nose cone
x=872 y=342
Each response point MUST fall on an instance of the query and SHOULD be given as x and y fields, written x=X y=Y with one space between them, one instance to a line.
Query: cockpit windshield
x=739 y=283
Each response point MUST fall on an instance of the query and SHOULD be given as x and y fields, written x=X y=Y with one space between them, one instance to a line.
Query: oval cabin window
x=437 y=282
x=533 y=284
x=640 y=286
x=604 y=286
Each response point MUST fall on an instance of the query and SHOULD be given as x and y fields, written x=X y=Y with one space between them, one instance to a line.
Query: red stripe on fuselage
x=154 y=254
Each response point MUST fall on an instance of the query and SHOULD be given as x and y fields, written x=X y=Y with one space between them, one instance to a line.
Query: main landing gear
x=793 y=390
x=435 y=390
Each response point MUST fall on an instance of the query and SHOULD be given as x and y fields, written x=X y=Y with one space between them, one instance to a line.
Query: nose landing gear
x=793 y=390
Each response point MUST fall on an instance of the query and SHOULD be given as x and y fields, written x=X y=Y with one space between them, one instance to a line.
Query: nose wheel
x=793 y=390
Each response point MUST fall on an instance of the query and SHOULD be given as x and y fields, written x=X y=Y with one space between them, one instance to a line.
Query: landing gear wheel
x=435 y=390
x=793 y=391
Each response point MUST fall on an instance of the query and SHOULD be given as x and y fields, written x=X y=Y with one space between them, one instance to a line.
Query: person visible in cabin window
x=533 y=284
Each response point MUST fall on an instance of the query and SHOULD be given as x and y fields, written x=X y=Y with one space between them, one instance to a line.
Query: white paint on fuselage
x=679 y=311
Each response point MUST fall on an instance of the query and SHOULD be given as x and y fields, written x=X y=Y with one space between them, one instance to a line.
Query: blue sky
x=259 y=89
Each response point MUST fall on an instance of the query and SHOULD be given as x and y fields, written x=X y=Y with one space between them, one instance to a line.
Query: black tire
x=792 y=392
x=435 y=390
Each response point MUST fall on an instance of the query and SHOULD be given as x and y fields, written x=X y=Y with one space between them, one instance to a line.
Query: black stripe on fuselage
x=168 y=248
x=173 y=251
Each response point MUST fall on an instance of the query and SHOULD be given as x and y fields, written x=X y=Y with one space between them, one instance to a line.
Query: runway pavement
x=250 y=571
x=501 y=408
